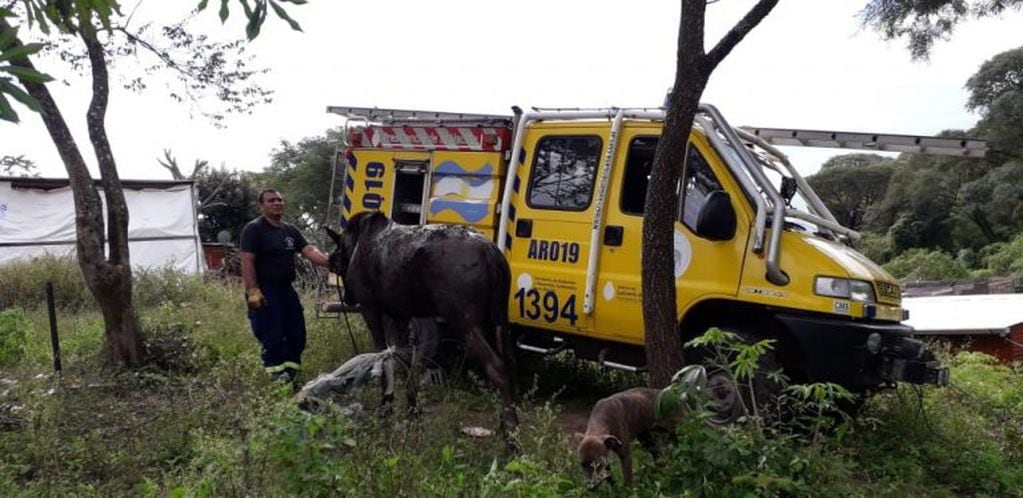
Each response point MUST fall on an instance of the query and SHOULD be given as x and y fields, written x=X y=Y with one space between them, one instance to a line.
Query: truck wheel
x=730 y=399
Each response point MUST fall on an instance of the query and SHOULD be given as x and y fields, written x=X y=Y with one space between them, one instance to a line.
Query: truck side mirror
x=716 y=220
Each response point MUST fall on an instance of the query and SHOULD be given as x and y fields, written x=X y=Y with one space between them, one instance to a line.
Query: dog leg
x=625 y=453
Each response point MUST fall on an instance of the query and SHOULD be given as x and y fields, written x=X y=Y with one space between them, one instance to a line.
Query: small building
x=37 y=217
x=988 y=323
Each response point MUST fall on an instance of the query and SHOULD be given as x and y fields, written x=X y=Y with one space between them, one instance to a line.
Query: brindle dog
x=396 y=273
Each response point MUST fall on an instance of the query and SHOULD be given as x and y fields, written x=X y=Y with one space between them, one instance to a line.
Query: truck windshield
x=774 y=174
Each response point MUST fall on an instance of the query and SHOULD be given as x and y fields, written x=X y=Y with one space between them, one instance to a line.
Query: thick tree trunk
x=660 y=316
x=124 y=340
x=109 y=281
x=693 y=69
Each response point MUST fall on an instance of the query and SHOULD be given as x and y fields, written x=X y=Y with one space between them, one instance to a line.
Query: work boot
x=288 y=376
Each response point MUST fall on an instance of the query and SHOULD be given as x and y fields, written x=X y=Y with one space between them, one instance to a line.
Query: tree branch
x=117 y=209
x=739 y=31
x=88 y=209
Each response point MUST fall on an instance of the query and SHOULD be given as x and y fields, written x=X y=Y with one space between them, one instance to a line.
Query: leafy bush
x=1005 y=258
x=921 y=264
x=24 y=284
x=209 y=423
x=158 y=286
x=13 y=327
x=878 y=248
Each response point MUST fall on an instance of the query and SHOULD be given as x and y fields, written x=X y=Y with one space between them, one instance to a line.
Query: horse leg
x=398 y=332
x=498 y=373
x=375 y=323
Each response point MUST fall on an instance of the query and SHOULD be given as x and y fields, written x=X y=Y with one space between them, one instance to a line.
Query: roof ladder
x=413 y=117
x=882 y=142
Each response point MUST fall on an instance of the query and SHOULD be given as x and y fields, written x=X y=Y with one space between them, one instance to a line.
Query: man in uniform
x=268 y=247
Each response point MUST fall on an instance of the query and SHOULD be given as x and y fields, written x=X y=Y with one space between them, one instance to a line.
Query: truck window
x=698 y=182
x=637 y=174
x=564 y=168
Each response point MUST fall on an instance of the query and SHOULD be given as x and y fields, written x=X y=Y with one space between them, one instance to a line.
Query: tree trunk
x=109 y=282
x=664 y=350
x=660 y=315
x=124 y=341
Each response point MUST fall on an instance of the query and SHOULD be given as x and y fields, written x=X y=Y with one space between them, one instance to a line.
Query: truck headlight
x=844 y=288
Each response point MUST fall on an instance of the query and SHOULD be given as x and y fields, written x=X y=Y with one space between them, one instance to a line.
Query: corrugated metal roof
x=981 y=314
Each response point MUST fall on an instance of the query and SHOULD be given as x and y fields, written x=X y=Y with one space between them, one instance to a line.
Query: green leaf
x=6 y=111
x=84 y=13
x=20 y=52
x=103 y=9
x=7 y=37
x=256 y=17
x=284 y=15
x=20 y=95
x=223 y=10
x=202 y=5
x=27 y=74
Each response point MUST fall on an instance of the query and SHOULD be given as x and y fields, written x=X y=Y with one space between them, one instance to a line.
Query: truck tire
x=729 y=399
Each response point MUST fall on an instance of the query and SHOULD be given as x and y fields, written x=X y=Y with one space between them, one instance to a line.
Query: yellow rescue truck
x=562 y=191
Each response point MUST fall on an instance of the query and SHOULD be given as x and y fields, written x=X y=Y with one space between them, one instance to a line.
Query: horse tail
x=500 y=287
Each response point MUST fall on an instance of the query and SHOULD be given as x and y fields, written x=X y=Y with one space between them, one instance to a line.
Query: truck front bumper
x=862 y=355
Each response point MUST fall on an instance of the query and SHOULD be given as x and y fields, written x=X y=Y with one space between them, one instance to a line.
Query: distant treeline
x=936 y=217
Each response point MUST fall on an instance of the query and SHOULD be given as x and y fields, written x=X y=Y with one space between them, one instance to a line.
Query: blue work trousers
x=280 y=328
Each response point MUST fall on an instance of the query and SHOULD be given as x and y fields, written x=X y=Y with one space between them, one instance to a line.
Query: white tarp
x=978 y=314
x=162 y=229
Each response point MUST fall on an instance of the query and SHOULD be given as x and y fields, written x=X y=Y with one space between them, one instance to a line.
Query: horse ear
x=613 y=443
x=336 y=237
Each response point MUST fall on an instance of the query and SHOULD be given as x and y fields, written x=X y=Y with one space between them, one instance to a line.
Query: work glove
x=254 y=298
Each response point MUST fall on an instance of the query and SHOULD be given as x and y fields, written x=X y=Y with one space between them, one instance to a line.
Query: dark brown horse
x=396 y=273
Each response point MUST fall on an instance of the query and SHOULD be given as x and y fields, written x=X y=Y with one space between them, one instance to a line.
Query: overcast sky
x=808 y=65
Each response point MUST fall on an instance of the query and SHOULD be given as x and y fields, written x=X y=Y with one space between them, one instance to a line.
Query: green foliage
x=921 y=23
x=11 y=52
x=879 y=248
x=1005 y=258
x=921 y=264
x=13 y=332
x=228 y=200
x=205 y=421
x=302 y=173
x=850 y=184
x=24 y=284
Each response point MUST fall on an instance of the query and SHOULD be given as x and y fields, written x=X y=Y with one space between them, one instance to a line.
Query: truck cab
x=562 y=192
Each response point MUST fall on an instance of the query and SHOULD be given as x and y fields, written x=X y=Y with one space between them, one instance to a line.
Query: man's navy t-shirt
x=275 y=249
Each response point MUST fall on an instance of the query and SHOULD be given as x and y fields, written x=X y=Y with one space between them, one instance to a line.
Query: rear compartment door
x=550 y=227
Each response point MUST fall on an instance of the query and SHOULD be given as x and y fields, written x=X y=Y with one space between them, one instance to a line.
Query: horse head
x=346 y=243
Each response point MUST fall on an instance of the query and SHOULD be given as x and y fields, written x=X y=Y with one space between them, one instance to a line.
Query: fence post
x=54 y=340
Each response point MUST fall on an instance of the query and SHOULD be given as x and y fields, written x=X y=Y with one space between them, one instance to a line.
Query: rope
x=348 y=325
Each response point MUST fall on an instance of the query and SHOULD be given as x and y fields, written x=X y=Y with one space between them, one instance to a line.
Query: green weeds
x=202 y=419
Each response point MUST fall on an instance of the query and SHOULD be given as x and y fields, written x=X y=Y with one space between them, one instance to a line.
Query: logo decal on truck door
x=683 y=254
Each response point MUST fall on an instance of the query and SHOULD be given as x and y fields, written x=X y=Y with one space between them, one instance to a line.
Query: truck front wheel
x=730 y=398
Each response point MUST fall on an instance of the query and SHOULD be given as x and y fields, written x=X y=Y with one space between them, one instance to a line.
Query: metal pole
x=54 y=339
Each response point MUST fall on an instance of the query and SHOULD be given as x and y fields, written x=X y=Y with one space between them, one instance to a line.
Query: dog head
x=595 y=455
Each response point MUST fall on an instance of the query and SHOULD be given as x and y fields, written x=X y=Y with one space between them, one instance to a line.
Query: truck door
x=703 y=268
x=550 y=227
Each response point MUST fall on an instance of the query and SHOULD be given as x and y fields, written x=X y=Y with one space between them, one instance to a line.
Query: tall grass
x=205 y=421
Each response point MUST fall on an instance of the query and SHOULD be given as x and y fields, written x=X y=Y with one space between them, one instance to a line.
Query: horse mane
x=365 y=221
